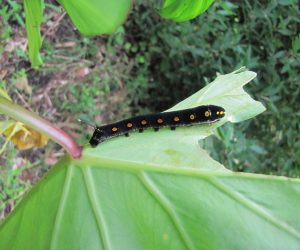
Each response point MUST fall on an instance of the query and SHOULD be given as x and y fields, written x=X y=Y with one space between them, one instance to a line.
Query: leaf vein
x=255 y=208
x=165 y=204
x=95 y=204
x=60 y=210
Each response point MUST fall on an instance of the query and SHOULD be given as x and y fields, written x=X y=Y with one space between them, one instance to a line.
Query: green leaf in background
x=183 y=10
x=91 y=17
x=34 y=17
x=95 y=17
x=160 y=191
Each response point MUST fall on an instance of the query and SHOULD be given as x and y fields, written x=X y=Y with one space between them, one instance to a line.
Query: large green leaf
x=99 y=203
x=95 y=17
x=91 y=17
x=34 y=17
x=160 y=191
x=182 y=10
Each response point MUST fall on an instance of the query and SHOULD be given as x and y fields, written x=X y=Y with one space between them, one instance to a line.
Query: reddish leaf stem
x=39 y=124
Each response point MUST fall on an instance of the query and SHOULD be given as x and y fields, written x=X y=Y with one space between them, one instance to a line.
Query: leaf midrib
x=130 y=166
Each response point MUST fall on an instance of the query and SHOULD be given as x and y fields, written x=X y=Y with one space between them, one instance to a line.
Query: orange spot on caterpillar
x=129 y=125
x=192 y=117
x=159 y=120
x=143 y=122
x=114 y=129
x=176 y=119
x=207 y=114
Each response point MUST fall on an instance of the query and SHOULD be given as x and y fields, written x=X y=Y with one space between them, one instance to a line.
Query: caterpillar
x=173 y=119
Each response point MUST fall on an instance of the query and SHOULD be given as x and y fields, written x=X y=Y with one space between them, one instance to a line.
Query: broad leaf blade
x=227 y=91
x=182 y=10
x=94 y=204
x=180 y=148
x=34 y=16
x=147 y=192
x=95 y=17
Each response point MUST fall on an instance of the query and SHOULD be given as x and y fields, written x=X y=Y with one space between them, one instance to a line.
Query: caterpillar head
x=97 y=137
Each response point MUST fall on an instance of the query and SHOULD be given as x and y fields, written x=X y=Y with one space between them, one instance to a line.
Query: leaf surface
x=95 y=17
x=96 y=203
x=183 y=10
x=160 y=191
x=34 y=17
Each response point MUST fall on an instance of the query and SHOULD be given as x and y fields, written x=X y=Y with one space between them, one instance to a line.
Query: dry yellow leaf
x=25 y=141
x=21 y=135
x=24 y=137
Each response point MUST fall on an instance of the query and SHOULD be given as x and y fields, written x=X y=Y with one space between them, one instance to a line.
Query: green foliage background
x=179 y=58
x=150 y=64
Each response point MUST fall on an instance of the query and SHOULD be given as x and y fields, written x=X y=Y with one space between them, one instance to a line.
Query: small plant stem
x=35 y=122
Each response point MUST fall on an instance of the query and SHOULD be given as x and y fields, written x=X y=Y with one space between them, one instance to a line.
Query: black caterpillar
x=185 y=117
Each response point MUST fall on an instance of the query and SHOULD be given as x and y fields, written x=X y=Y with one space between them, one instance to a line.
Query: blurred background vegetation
x=148 y=65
